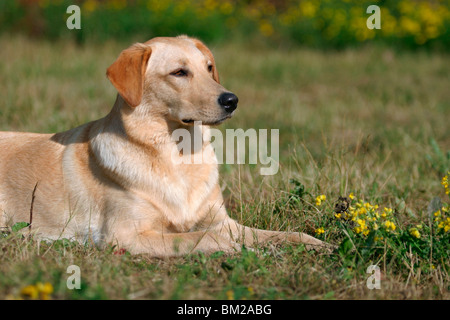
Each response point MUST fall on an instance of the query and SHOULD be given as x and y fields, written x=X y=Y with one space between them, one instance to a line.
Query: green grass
x=372 y=121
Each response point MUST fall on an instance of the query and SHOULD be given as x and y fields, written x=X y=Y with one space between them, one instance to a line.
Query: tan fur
x=113 y=180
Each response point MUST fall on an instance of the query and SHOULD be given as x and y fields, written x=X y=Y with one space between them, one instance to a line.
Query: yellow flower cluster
x=445 y=183
x=90 y=6
x=421 y=21
x=320 y=231
x=415 y=231
x=442 y=219
x=367 y=217
x=41 y=291
x=442 y=216
x=319 y=199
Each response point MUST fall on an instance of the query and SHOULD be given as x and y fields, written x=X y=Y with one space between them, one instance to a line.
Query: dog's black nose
x=228 y=101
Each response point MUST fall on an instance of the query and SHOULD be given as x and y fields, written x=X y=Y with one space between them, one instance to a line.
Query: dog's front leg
x=178 y=244
x=252 y=237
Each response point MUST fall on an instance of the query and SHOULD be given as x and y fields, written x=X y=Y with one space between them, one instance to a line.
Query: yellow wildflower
x=319 y=199
x=386 y=212
x=266 y=28
x=39 y=291
x=90 y=5
x=390 y=225
x=362 y=228
x=414 y=232
x=30 y=291
x=445 y=183
x=45 y=290
x=308 y=9
x=447 y=225
x=320 y=231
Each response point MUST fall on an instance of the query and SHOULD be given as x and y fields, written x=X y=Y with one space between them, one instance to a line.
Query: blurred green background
x=324 y=23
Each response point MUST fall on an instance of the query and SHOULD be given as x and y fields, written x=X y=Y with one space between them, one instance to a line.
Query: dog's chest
x=188 y=196
x=173 y=190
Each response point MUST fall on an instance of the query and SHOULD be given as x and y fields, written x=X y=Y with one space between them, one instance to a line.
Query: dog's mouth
x=207 y=123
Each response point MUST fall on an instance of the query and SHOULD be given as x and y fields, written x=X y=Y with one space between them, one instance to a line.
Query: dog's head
x=176 y=78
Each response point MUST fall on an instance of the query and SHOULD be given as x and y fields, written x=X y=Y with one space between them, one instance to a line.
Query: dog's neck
x=139 y=133
x=144 y=126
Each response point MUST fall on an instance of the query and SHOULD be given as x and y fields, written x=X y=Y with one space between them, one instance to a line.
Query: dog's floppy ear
x=128 y=71
x=204 y=49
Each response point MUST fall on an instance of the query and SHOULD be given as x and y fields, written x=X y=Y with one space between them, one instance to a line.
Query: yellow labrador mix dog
x=115 y=181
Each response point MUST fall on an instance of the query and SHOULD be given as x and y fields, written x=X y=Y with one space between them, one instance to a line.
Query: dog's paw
x=322 y=247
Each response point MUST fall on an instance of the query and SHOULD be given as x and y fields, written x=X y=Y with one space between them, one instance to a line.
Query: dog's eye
x=179 y=73
x=210 y=67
